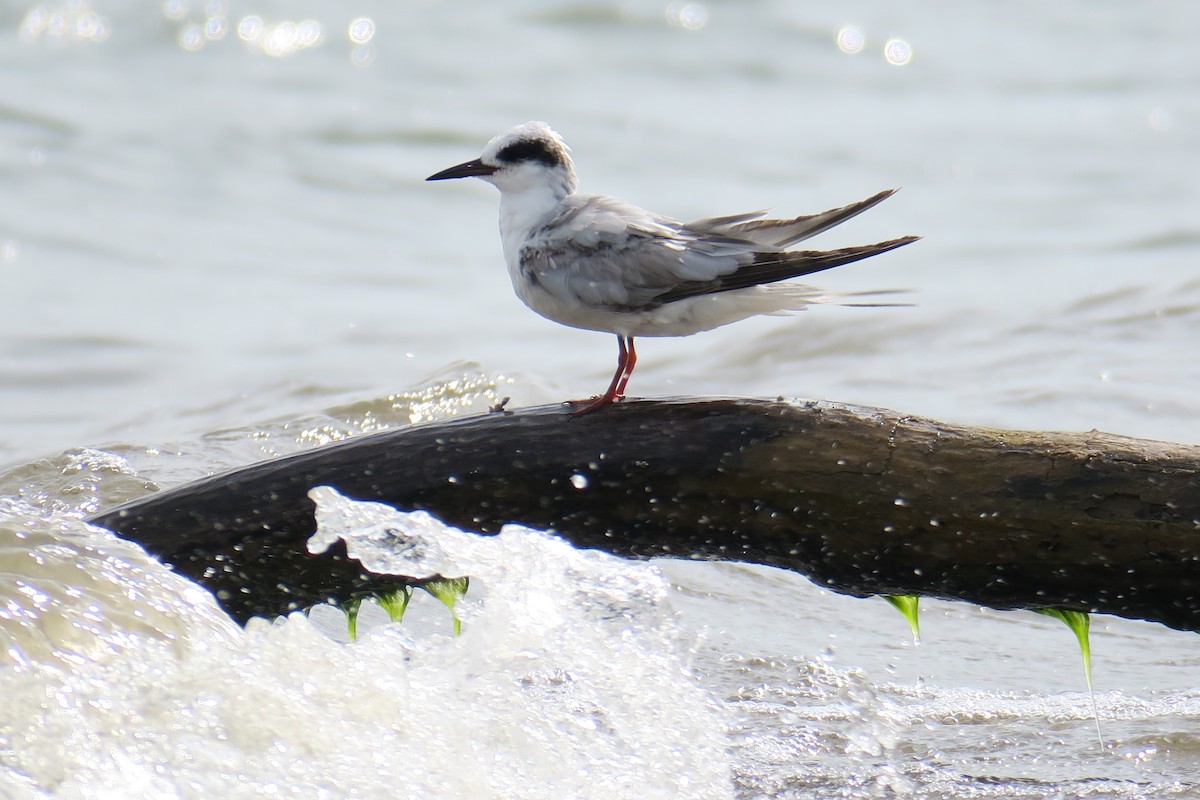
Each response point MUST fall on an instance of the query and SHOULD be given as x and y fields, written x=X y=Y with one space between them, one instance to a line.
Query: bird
x=598 y=263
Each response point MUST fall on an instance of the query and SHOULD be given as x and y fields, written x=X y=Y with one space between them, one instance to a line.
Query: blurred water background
x=216 y=246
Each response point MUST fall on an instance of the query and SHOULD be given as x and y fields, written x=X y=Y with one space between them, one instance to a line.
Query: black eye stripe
x=530 y=150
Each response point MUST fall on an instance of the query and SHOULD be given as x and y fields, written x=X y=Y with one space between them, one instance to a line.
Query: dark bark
x=861 y=500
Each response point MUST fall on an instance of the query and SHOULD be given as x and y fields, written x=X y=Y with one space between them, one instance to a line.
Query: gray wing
x=772 y=267
x=783 y=232
x=607 y=254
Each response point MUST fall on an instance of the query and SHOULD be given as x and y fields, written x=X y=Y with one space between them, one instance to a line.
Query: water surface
x=216 y=246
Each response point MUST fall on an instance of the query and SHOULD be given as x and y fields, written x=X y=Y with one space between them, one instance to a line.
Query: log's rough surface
x=861 y=500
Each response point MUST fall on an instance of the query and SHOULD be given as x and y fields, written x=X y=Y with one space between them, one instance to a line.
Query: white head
x=529 y=157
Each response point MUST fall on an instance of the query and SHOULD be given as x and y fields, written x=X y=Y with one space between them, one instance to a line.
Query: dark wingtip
x=892 y=244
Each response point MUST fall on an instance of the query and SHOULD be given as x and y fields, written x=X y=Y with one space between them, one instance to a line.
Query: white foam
x=570 y=680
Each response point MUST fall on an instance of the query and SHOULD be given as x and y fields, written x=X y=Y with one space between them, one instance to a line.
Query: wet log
x=863 y=501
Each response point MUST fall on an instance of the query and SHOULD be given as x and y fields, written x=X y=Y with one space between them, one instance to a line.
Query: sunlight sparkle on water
x=362 y=56
x=288 y=37
x=277 y=39
x=689 y=16
x=897 y=52
x=361 y=30
x=250 y=28
x=216 y=28
x=196 y=31
x=73 y=20
x=850 y=39
x=360 y=33
x=191 y=38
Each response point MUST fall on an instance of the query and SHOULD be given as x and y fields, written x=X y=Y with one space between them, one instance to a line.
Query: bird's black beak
x=471 y=169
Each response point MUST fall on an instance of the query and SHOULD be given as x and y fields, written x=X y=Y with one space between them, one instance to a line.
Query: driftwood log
x=861 y=500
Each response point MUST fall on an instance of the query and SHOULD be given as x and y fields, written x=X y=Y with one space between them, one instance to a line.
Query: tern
x=598 y=263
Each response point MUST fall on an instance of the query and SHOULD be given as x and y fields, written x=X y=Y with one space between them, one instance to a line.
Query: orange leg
x=626 y=361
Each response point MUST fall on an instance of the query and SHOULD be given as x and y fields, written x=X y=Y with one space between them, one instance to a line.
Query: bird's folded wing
x=775 y=266
x=606 y=254
x=620 y=277
x=782 y=232
x=603 y=253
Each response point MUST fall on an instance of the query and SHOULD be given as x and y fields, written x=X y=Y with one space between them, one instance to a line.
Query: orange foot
x=593 y=403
